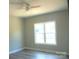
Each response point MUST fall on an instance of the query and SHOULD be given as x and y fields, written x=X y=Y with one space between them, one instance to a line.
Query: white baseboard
x=14 y=51
x=55 y=52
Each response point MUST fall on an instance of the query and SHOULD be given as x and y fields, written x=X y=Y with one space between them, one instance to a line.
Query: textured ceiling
x=45 y=7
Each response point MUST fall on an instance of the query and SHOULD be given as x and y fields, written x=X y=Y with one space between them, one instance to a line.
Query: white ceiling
x=45 y=7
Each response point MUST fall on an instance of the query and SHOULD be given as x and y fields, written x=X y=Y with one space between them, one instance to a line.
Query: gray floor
x=29 y=54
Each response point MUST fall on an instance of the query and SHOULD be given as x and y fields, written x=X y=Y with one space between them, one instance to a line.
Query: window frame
x=45 y=33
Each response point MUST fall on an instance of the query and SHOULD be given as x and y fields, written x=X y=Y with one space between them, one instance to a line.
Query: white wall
x=62 y=31
x=15 y=34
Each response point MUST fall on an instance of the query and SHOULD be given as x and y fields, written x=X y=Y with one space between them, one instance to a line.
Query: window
x=45 y=33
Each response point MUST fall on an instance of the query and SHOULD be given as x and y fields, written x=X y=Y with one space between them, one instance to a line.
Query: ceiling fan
x=23 y=5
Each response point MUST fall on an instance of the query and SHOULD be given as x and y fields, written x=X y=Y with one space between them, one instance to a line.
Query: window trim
x=45 y=33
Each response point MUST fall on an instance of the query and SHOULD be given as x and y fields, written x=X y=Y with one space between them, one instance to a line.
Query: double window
x=45 y=33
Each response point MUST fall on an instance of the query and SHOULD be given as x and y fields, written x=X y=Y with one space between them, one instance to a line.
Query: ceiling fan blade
x=35 y=6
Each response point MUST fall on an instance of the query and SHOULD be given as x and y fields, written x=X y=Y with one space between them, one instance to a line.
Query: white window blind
x=45 y=33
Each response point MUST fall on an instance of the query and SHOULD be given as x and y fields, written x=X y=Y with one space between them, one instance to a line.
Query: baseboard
x=17 y=50
x=55 y=52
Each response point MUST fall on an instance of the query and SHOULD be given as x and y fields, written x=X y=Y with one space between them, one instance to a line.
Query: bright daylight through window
x=45 y=33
